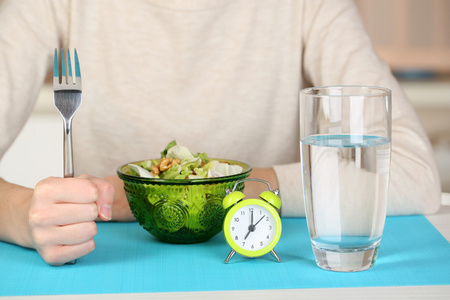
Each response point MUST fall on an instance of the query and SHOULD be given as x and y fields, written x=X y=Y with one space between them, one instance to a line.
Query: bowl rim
x=125 y=176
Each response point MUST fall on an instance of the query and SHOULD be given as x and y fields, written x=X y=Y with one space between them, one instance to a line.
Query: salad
x=177 y=162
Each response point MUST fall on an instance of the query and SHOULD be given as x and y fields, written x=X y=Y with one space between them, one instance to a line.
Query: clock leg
x=230 y=256
x=275 y=255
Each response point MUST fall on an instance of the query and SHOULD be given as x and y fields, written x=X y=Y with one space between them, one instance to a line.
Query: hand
x=62 y=216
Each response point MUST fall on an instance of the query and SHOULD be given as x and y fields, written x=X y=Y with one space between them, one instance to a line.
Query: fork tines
x=66 y=82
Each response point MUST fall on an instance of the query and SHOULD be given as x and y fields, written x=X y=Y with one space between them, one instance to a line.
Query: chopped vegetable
x=177 y=162
x=140 y=171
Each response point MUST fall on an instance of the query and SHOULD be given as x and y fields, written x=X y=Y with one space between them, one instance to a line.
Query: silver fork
x=67 y=99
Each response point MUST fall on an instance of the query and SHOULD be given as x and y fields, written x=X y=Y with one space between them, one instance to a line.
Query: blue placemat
x=129 y=260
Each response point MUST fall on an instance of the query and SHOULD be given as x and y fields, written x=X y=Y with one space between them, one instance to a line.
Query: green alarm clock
x=252 y=227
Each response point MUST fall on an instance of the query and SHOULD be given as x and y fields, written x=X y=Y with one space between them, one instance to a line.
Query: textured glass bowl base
x=178 y=214
x=345 y=261
x=180 y=211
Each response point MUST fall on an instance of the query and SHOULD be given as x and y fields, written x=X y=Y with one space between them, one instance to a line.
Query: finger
x=63 y=190
x=63 y=214
x=77 y=233
x=64 y=235
x=105 y=196
x=61 y=254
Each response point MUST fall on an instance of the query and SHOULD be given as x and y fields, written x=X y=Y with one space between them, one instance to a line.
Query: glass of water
x=345 y=145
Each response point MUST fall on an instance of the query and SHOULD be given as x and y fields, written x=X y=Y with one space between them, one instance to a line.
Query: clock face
x=252 y=229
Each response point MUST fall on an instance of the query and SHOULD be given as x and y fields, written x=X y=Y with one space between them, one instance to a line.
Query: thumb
x=105 y=200
x=105 y=197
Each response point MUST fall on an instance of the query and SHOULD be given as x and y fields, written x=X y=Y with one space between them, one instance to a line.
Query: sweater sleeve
x=338 y=51
x=28 y=37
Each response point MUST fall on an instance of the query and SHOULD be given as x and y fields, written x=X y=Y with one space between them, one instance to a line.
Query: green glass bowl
x=181 y=211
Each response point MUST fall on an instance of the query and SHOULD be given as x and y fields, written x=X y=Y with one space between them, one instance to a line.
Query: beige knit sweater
x=220 y=77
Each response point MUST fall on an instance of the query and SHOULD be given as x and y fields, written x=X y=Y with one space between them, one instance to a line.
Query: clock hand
x=247 y=233
x=251 y=227
x=259 y=220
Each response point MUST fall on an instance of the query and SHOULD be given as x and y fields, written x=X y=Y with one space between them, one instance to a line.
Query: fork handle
x=68 y=159
x=68 y=153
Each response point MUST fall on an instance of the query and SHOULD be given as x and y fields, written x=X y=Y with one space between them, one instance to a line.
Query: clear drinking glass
x=345 y=144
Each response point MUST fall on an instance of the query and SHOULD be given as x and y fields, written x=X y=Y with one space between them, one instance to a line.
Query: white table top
x=440 y=220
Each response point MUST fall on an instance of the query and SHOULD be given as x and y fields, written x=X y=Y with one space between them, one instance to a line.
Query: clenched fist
x=62 y=216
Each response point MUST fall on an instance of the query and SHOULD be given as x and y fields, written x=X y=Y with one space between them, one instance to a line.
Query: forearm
x=414 y=180
x=14 y=207
x=253 y=189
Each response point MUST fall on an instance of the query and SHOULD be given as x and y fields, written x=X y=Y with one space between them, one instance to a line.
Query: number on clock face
x=252 y=227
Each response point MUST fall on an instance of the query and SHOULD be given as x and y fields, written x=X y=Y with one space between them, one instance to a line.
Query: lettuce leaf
x=218 y=169
x=203 y=156
x=171 y=173
x=179 y=152
x=200 y=173
x=136 y=170
x=170 y=145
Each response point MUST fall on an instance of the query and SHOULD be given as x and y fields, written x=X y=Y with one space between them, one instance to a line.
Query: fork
x=67 y=99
